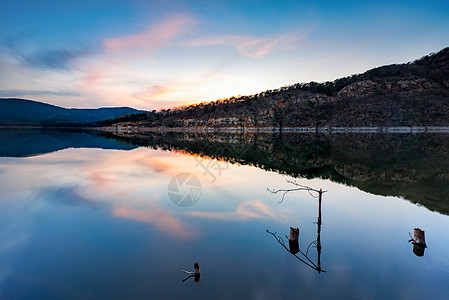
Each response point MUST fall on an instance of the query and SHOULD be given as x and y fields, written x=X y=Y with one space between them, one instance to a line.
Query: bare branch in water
x=300 y=188
x=284 y=192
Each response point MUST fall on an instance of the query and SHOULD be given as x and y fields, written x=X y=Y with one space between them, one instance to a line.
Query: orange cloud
x=158 y=165
x=154 y=92
x=156 y=36
x=246 y=210
x=249 y=46
x=163 y=221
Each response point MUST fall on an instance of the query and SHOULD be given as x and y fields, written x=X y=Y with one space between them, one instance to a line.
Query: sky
x=161 y=54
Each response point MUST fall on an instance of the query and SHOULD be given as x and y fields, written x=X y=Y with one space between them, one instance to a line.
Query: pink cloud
x=154 y=92
x=249 y=46
x=162 y=220
x=153 y=38
x=246 y=210
x=99 y=179
x=93 y=75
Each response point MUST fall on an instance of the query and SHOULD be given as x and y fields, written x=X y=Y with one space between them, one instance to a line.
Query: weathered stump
x=293 y=240
x=419 y=242
x=196 y=266
x=418 y=236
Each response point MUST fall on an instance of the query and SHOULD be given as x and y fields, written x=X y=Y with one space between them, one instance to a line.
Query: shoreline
x=328 y=129
x=130 y=129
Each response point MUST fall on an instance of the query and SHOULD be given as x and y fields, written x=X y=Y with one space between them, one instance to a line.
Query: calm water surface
x=94 y=223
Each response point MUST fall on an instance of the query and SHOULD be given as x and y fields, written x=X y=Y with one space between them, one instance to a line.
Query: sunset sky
x=154 y=54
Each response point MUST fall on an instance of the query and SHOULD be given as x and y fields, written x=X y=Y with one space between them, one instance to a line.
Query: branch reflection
x=293 y=238
x=195 y=274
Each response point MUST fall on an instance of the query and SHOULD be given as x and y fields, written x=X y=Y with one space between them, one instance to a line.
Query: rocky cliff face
x=369 y=88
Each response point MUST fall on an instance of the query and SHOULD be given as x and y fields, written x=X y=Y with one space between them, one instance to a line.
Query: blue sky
x=154 y=54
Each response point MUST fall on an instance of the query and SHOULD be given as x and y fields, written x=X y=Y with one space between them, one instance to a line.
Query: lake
x=97 y=216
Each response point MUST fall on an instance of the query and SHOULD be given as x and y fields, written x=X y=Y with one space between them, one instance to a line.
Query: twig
x=314 y=242
x=304 y=186
x=411 y=238
x=188 y=277
x=285 y=191
x=300 y=188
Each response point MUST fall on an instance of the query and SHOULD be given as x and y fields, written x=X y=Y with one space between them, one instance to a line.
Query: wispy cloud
x=154 y=92
x=159 y=165
x=23 y=93
x=54 y=59
x=247 y=210
x=93 y=74
x=100 y=180
x=62 y=58
x=66 y=195
x=247 y=45
x=162 y=220
x=154 y=37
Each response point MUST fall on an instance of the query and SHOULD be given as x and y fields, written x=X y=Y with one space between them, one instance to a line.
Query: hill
x=411 y=94
x=21 y=112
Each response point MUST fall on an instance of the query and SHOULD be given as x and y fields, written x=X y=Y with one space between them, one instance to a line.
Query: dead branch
x=300 y=188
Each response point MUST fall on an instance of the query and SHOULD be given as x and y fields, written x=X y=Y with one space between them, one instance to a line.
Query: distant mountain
x=31 y=142
x=411 y=94
x=21 y=112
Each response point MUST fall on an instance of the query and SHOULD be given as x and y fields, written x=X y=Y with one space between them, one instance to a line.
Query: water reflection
x=412 y=166
x=419 y=242
x=32 y=142
x=99 y=224
x=196 y=274
x=293 y=238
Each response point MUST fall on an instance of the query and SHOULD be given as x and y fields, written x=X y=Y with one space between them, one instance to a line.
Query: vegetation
x=125 y=118
x=381 y=95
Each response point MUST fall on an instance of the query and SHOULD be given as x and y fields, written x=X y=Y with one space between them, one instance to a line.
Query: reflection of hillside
x=30 y=142
x=415 y=167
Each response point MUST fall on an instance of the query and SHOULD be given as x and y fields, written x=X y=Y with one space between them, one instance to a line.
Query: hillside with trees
x=411 y=94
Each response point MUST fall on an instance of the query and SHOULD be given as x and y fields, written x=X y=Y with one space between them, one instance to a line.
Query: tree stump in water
x=418 y=236
x=293 y=240
x=419 y=242
x=196 y=266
